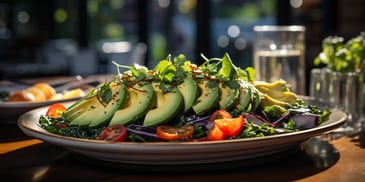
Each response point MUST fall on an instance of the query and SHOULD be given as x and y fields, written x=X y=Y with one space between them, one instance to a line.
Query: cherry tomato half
x=220 y=114
x=216 y=134
x=174 y=133
x=230 y=127
x=114 y=133
x=55 y=110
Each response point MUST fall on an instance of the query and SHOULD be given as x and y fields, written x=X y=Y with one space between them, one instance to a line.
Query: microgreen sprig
x=224 y=70
x=137 y=71
x=172 y=71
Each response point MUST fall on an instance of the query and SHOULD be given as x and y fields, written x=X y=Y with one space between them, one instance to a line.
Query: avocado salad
x=180 y=101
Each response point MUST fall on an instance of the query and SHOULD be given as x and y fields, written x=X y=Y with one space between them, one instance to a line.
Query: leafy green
x=105 y=94
x=139 y=72
x=48 y=124
x=275 y=111
x=134 y=73
x=247 y=74
x=252 y=130
x=323 y=113
x=342 y=56
x=52 y=126
x=289 y=125
x=4 y=95
x=228 y=70
x=171 y=72
x=224 y=69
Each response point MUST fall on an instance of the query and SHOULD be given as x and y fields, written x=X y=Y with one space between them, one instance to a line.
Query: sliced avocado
x=167 y=105
x=138 y=103
x=268 y=100
x=245 y=97
x=189 y=90
x=90 y=111
x=207 y=99
x=228 y=96
x=257 y=99
x=80 y=106
x=249 y=96
x=71 y=113
x=279 y=85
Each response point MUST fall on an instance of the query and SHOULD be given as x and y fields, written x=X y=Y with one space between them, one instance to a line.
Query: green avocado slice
x=90 y=111
x=138 y=103
x=228 y=96
x=167 y=105
x=208 y=98
x=189 y=90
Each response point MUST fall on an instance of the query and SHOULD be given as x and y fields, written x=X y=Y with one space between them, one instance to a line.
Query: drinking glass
x=279 y=54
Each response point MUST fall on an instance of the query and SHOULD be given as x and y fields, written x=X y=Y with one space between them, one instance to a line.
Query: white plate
x=165 y=153
x=10 y=111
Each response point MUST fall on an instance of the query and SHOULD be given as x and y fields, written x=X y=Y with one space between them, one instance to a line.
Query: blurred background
x=67 y=37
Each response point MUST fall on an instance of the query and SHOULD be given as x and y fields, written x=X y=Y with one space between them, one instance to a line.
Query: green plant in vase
x=342 y=56
x=342 y=80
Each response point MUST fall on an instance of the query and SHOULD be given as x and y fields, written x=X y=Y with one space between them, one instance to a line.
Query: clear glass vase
x=345 y=90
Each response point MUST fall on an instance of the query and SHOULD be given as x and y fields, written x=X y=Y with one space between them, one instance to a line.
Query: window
x=232 y=27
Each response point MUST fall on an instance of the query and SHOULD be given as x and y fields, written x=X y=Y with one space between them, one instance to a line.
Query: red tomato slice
x=216 y=134
x=115 y=133
x=220 y=114
x=55 y=110
x=174 y=133
x=230 y=127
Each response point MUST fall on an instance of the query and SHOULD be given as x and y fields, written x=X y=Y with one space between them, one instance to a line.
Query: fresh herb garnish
x=105 y=94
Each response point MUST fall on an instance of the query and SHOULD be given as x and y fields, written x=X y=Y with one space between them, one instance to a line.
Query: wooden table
x=23 y=158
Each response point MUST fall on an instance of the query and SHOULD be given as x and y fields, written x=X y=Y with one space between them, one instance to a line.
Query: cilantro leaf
x=105 y=94
x=228 y=69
